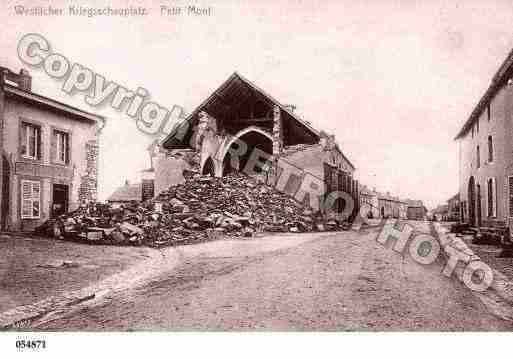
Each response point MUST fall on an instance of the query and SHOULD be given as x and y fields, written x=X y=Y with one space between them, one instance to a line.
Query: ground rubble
x=202 y=208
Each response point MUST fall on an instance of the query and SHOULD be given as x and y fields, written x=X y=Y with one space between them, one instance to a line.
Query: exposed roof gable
x=234 y=87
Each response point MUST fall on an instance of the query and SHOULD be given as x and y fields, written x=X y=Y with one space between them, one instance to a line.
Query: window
x=472 y=131
x=490 y=149
x=30 y=199
x=491 y=196
x=488 y=112
x=477 y=126
x=30 y=141
x=510 y=195
x=61 y=143
x=478 y=157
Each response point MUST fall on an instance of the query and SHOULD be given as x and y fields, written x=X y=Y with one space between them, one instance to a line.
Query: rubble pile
x=199 y=209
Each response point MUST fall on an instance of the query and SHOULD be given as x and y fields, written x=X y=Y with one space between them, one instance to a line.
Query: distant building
x=416 y=210
x=49 y=154
x=441 y=213
x=403 y=208
x=126 y=194
x=454 y=209
x=370 y=197
x=386 y=204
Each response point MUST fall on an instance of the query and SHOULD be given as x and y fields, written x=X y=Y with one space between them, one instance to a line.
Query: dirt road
x=345 y=281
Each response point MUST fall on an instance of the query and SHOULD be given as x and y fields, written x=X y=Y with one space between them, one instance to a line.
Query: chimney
x=25 y=80
x=127 y=183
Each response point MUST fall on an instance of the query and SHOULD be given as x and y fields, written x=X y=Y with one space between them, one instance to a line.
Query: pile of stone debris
x=199 y=209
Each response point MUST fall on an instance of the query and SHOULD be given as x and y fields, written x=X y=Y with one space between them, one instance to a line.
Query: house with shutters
x=485 y=144
x=49 y=154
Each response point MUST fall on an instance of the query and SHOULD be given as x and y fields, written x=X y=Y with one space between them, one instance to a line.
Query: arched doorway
x=472 y=201
x=229 y=165
x=209 y=168
x=478 y=210
x=250 y=139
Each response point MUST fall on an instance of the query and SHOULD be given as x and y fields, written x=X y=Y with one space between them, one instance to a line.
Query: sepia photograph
x=231 y=171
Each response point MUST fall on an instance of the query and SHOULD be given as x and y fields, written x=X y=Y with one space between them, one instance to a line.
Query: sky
x=393 y=80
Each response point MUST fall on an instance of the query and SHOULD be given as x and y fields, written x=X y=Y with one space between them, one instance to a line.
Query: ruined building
x=240 y=127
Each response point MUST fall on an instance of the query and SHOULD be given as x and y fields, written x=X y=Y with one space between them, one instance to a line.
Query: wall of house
x=168 y=172
x=417 y=213
x=372 y=200
x=387 y=207
x=403 y=210
x=80 y=175
x=499 y=127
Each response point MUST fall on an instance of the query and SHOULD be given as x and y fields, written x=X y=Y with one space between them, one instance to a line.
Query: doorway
x=60 y=199
x=5 y=192
x=472 y=201
x=478 y=210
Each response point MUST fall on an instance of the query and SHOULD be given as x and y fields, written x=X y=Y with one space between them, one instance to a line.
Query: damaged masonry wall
x=303 y=162
x=88 y=190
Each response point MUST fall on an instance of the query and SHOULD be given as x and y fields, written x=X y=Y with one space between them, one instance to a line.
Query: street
x=343 y=281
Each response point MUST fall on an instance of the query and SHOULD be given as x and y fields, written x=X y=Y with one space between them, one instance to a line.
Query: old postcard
x=255 y=166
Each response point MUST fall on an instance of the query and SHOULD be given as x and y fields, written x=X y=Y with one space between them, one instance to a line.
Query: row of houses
x=50 y=152
x=449 y=211
x=384 y=205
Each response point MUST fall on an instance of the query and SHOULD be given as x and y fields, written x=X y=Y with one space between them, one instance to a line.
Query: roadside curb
x=499 y=296
x=160 y=260
x=22 y=316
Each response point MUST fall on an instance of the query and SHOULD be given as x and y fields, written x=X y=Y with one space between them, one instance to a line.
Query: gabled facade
x=49 y=154
x=240 y=125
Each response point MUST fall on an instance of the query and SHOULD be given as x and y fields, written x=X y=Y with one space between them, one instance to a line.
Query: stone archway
x=209 y=168
x=240 y=147
x=478 y=205
x=472 y=201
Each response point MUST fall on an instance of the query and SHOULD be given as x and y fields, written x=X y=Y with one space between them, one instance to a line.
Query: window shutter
x=23 y=139
x=510 y=189
x=68 y=148
x=494 y=188
x=30 y=199
x=38 y=142
x=53 y=146
x=489 y=197
x=36 y=199
x=26 y=200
